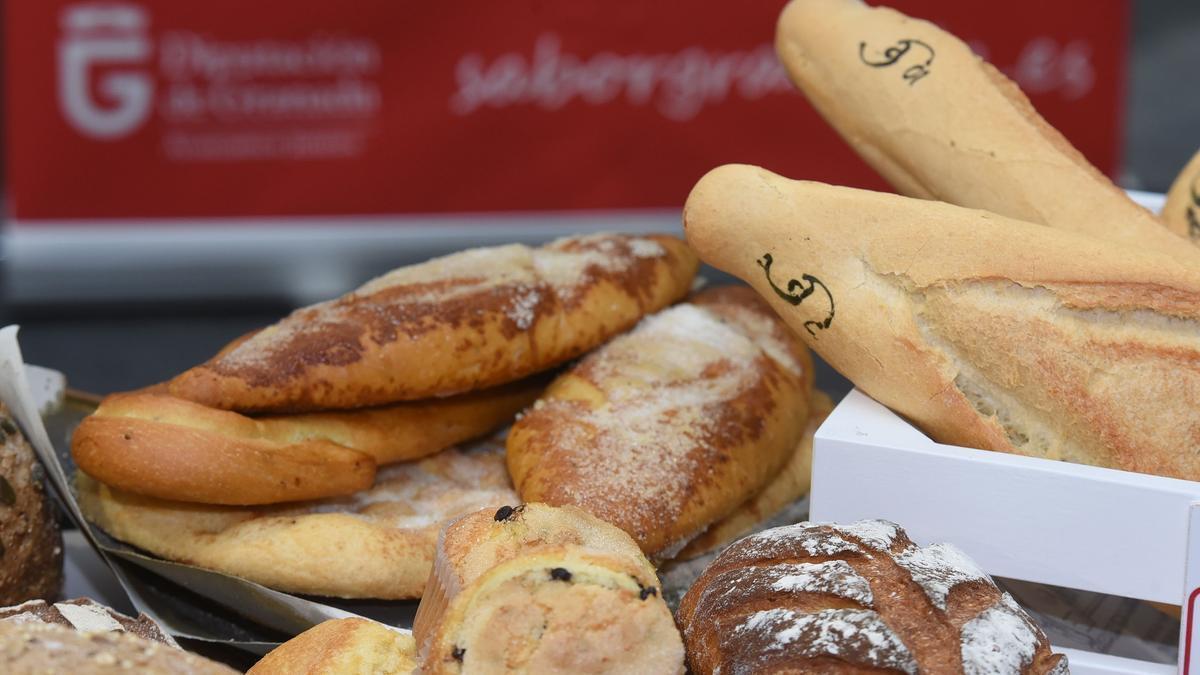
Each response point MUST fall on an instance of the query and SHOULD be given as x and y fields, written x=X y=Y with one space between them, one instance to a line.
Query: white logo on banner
x=104 y=34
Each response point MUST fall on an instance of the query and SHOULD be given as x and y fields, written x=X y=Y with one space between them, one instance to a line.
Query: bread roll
x=985 y=331
x=31 y=553
x=342 y=647
x=538 y=589
x=157 y=445
x=377 y=543
x=1181 y=213
x=940 y=123
x=464 y=322
x=669 y=428
x=86 y=616
x=790 y=484
x=820 y=598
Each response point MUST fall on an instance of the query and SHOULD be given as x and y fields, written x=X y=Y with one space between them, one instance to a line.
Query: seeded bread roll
x=468 y=321
x=855 y=598
x=377 y=543
x=342 y=647
x=539 y=589
x=791 y=484
x=669 y=428
x=155 y=444
x=985 y=331
x=31 y=554
x=1181 y=213
x=940 y=123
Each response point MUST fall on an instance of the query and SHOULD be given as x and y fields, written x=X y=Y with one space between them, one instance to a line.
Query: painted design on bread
x=986 y=332
x=1181 y=212
x=671 y=427
x=343 y=647
x=541 y=589
x=467 y=321
x=376 y=543
x=840 y=598
x=154 y=444
x=940 y=123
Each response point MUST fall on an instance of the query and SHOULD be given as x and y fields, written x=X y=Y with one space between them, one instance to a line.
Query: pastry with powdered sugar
x=851 y=598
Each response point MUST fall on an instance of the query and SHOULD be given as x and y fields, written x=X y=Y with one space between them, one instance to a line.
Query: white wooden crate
x=1082 y=527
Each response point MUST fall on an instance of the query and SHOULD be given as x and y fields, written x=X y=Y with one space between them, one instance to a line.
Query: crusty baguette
x=1181 y=213
x=853 y=599
x=540 y=589
x=377 y=543
x=468 y=321
x=985 y=331
x=342 y=647
x=940 y=123
x=161 y=446
x=791 y=483
x=670 y=427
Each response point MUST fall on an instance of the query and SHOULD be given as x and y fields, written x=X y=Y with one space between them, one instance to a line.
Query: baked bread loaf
x=813 y=598
x=669 y=428
x=985 y=331
x=86 y=616
x=157 y=445
x=792 y=483
x=468 y=321
x=377 y=543
x=538 y=589
x=1181 y=213
x=342 y=647
x=82 y=636
x=31 y=554
x=940 y=123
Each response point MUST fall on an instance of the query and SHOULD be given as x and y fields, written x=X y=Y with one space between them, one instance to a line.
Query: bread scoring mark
x=999 y=640
x=793 y=298
x=892 y=54
x=1193 y=209
x=937 y=569
x=857 y=636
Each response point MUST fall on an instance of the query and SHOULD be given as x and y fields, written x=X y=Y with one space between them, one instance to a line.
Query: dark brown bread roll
x=30 y=542
x=820 y=598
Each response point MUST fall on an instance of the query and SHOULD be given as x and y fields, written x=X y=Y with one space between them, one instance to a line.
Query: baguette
x=468 y=321
x=670 y=427
x=1181 y=212
x=985 y=331
x=940 y=123
x=157 y=445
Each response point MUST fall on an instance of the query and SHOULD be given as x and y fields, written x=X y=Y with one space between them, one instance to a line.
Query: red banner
x=164 y=108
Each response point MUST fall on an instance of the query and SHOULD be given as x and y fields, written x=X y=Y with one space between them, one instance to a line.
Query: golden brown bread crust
x=1181 y=212
x=541 y=589
x=36 y=648
x=985 y=331
x=377 y=543
x=851 y=599
x=31 y=554
x=161 y=446
x=342 y=647
x=668 y=428
x=464 y=322
x=939 y=123
x=790 y=484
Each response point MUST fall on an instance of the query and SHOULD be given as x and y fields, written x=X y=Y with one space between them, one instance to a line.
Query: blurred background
x=178 y=173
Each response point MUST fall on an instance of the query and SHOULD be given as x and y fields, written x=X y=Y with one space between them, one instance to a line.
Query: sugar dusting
x=999 y=641
x=938 y=569
x=857 y=636
x=665 y=385
x=423 y=494
x=527 y=276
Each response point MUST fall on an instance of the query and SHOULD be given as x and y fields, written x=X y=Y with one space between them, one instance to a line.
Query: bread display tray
x=1043 y=521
